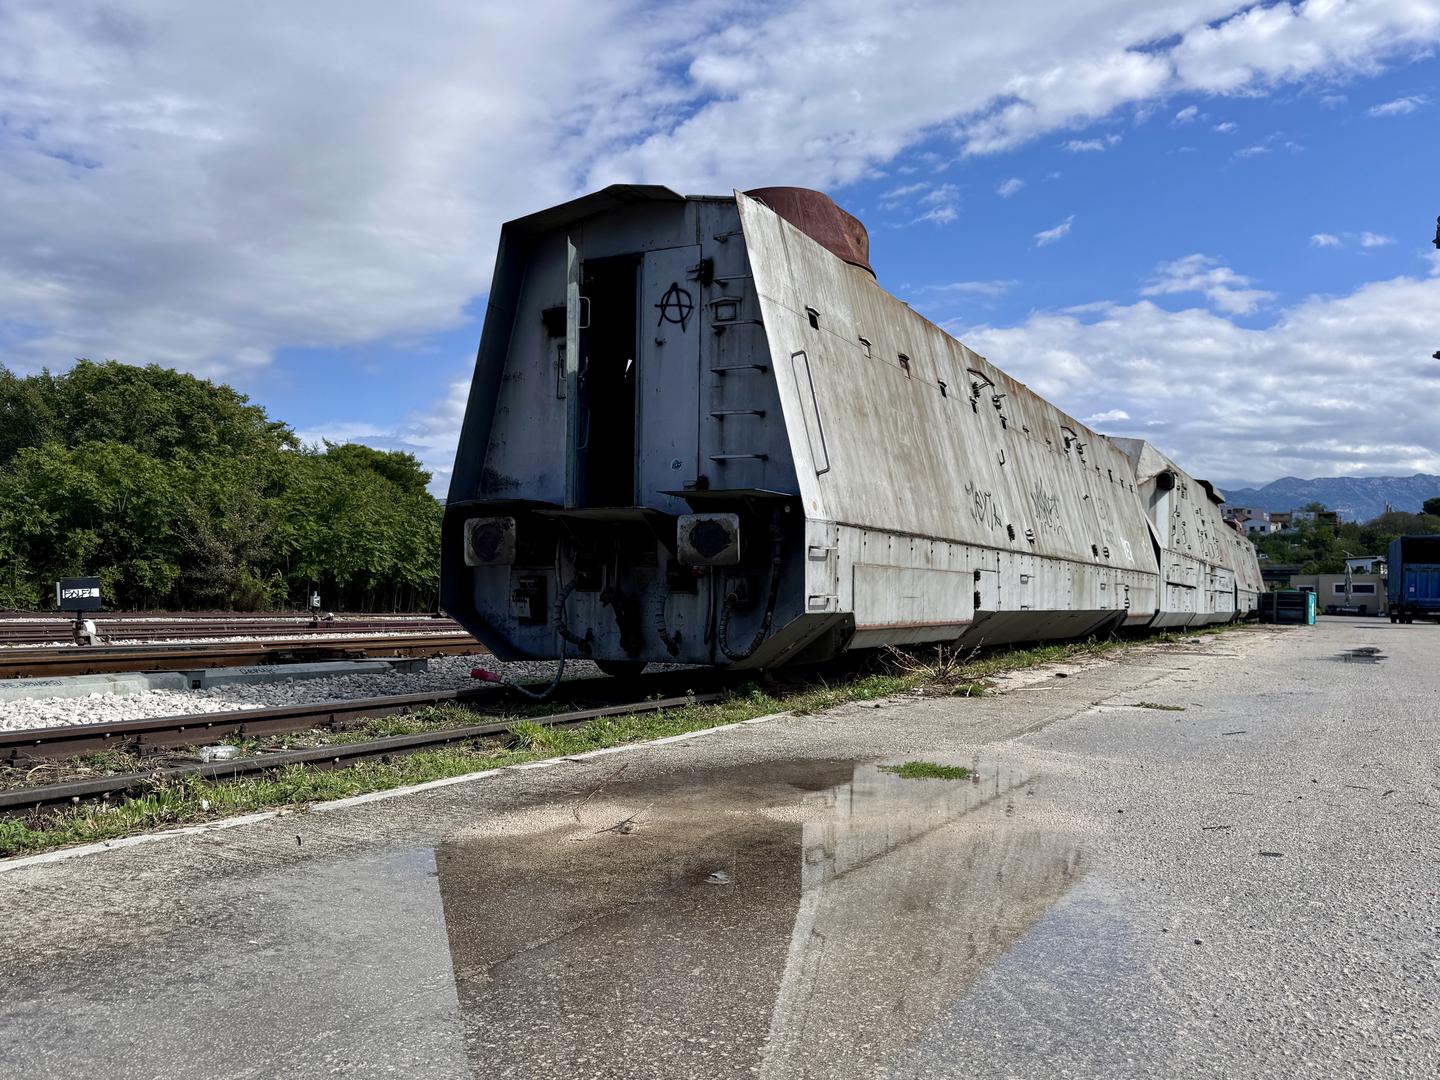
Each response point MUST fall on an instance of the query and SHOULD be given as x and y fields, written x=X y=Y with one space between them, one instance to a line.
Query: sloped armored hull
x=696 y=434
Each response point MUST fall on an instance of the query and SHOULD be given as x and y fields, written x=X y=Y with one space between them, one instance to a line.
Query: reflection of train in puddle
x=755 y=920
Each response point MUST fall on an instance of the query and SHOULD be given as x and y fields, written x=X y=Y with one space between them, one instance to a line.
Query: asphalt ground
x=1243 y=884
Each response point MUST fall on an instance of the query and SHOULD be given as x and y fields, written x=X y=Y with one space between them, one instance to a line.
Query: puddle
x=784 y=921
x=1364 y=654
x=767 y=921
x=1041 y=1010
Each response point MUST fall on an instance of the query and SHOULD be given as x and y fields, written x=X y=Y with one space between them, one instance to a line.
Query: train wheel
x=621 y=669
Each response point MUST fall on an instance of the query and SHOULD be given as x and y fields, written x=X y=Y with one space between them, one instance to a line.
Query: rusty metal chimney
x=815 y=214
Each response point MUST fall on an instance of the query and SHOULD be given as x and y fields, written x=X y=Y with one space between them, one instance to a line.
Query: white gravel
x=445 y=673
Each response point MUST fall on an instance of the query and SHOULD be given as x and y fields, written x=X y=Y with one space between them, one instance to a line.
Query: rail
x=14 y=631
x=22 y=662
x=29 y=799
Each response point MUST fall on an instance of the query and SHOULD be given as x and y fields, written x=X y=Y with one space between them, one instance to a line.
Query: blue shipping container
x=1413 y=580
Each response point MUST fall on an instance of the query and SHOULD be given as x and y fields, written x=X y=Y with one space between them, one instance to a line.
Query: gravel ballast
x=444 y=673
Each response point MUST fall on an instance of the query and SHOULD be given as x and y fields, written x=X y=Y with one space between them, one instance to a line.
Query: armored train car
x=699 y=431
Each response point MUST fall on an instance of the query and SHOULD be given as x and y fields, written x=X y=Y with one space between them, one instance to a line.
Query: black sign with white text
x=78 y=594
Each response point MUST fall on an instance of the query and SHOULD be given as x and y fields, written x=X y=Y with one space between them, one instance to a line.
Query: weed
x=539 y=738
x=947 y=665
x=1157 y=705
x=927 y=770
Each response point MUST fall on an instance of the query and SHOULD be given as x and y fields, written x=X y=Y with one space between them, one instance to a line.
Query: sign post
x=78 y=595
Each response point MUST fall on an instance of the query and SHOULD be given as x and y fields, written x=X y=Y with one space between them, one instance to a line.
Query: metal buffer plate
x=490 y=541
x=708 y=539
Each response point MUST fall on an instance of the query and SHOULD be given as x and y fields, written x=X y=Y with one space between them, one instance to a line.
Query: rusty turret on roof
x=815 y=214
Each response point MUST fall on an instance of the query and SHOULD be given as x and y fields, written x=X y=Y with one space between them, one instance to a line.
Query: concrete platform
x=68 y=686
x=1242 y=884
x=76 y=686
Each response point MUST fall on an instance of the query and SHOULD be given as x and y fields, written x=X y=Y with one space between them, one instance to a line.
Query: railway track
x=23 y=749
x=16 y=633
x=22 y=662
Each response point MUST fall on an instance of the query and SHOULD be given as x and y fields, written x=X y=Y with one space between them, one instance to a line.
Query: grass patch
x=171 y=803
x=1157 y=705
x=927 y=770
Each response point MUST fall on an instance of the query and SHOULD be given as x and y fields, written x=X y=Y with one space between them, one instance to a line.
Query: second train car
x=700 y=432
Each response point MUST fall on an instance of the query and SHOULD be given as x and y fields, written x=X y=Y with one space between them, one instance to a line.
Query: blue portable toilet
x=1293 y=606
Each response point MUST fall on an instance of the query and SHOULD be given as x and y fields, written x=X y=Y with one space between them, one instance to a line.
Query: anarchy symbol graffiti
x=675 y=306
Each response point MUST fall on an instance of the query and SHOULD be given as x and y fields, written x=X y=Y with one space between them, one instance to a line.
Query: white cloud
x=341 y=432
x=253 y=189
x=1227 y=400
x=1333 y=101
x=1370 y=239
x=204 y=185
x=943 y=204
x=1082 y=146
x=1049 y=236
x=1321 y=239
x=937 y=215
x=1187 y=114
x=1399 y=107
x=974 y=288
x=1203 y=274
x=1267 y=44
x=1225 y=127
x=994 y=76
x=1274 y=141
x=895 y=196
x=1009 y=187
x=1109 y=416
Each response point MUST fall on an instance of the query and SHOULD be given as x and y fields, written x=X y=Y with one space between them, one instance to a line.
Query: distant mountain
x=1358 y=498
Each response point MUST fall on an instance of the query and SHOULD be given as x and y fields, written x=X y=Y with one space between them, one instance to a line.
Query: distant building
x=1280 y=520
x=1366 y=593
x=1366 y=564
x=1278 y=575
x=1250 y=519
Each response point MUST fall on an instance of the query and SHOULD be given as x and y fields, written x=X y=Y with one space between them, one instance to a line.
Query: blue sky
x=1201 y=222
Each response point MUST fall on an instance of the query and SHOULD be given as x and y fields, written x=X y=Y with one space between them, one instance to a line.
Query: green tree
x=179 y=492
x=161 y=412
x=100 y=508
x=1431 y=507
x=400 y=468
x=27 y=413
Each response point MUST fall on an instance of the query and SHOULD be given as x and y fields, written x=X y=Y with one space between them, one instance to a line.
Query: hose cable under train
x=662 y=627
x=585 y=644
x=777 y=554
x=562 y=634
x=540 y=695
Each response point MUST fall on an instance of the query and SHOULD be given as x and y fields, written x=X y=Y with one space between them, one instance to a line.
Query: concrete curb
x=143 y=838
